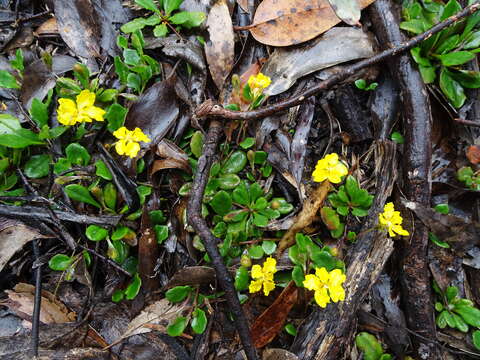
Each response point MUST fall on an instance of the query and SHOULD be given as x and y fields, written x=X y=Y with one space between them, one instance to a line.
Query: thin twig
x=209 y=108
x=37 y=301
x=467 y=122
x=211 y=242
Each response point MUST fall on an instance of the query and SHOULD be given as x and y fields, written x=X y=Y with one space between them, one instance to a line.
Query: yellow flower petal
x=270 y=265
x=257 y=272
x=67 y=112
x=337 y=293
x=391 y=221
x=268 y=286
x=312 y=282
x=329 y=168
x=120 y=147
x=321 y=297
x=337 y=278
x=132 y=149
x=138 y=135
x=322 y=274
x=120 y=133
x=85 y=99
x=255 y=286
x=95 y=112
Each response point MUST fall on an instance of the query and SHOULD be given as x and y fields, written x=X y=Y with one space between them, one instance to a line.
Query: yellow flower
x=257 y=83
x=70 y=112
x=128 y=141
x=326 y=285
x=263 y=276
x=329 y=168
x=391 y=220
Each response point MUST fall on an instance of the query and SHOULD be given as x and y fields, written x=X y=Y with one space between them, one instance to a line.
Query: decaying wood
x=417 y=119
x=327 y=332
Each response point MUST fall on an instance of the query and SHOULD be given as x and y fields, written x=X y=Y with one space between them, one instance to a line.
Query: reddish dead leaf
x=219 y=49
x=270 y=322
x=49 y=27
x=473 y=154
x=289 y=22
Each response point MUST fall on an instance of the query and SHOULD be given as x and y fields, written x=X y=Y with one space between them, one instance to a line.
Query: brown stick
x=195 y=218
x=415 y=279
x=209 y=108
x=326 y=333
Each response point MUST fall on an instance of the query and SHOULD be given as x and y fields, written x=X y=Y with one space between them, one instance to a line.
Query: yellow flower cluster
x=257 y=83
x=128 y=141
x=329 y=168
x=326 y=285
x=391 y=220
x=71 y=112
x=263 y=276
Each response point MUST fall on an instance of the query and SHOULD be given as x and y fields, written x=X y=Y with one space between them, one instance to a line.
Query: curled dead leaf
x=290 y=22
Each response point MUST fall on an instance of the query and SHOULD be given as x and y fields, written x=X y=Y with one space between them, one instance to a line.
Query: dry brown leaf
x=49 y=27
x=219 y=49
x=160 y=313
x=21 y=299
x=290 y=22
x=275 y=354
x=14 y=235
x=243 y=4
x=267 y=326
x=473 y=154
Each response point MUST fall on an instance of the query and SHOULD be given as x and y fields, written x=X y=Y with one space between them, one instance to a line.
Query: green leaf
x=14 y=136
x=199 y=320
x=143 y=191
x=177 y=327
x=157 y=217
x=459 y=323
x=134 y=81
x=110 y=196
x=107 y=95
x=96 y=233
x=121 y=69
x=120 y=232
x=235 y=163
x=452 y=89
x=296 y=256
x=298 y=276
x=39 y=113
x=428 y=74
x=60 y=262
x=442 y=319
x=61 y=166
x=260 y=157
x=414 y=26
x=77 y=154
x=241 y=194
x=221 y=202
x=147 y=4
x=290 y=329
x=397 y=137
x=369 y=345
x=134 y=25
x=269 y=247
x=260 y=220
x=102 y=170
x=448 y=45
x=467 y=78
x=359 y=212
x=133 y=288
x=171 y=5
x=450 y=9
x=178 y=293
x=451 y=293
x=188 y=19
x=196 y=144
x=17 y=63
x=476 y=339
x=80 y=193
x=361 y=84
x=256 y=252
x=118 y=296
x=115 y=116
x=131 y=57
x=8 y=81
x=247 y=143
x=160 y=30
x=324 y=259
x=456 y=58
x=122 y=42
x=442 y=208
x=469 y=314
x=241 y=278
x=37 y=166
x=161 y=232
x=416 y=53
x=434 y=238
x=228 y=181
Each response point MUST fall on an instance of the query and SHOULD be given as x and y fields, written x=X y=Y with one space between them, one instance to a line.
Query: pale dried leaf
x=219 y=49
x=347 y=10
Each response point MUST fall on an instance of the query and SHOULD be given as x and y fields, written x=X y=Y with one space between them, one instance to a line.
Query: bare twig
x=210 y=241
x=37 y=301
x=209 y=108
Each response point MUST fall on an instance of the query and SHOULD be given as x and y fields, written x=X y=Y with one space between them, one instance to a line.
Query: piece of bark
x=327 y=333
x=415 y=279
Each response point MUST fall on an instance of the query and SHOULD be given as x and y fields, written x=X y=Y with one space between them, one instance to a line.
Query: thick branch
x=210 y=109
x=211 y=242
x=416 y=291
